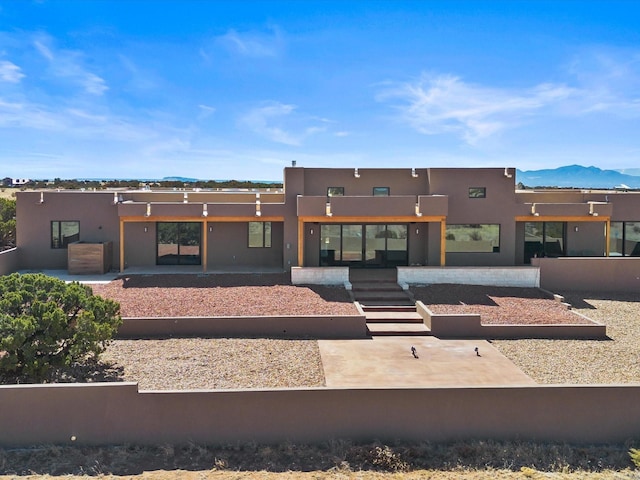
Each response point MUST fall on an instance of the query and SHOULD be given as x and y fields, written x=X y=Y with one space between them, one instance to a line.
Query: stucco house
x=353 y=217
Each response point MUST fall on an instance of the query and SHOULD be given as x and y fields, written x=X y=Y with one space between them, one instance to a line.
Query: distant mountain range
x=578 y=176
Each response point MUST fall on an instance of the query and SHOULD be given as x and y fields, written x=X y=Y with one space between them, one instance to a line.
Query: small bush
x=45 y=323
x=634 y=453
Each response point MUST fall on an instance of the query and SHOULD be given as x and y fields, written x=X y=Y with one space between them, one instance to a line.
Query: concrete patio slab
x=388 y=362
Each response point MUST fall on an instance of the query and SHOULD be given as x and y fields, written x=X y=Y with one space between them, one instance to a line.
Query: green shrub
x=634 y=453
x=45 y=323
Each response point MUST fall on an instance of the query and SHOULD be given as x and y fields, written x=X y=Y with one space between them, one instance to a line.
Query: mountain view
x=577 y=176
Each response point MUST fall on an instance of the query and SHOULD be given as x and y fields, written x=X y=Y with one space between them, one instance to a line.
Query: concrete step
x=393 y=317
x=386 y=304
x=389 y=308
x=376 y=286
x=389 y=329
x=382 y=295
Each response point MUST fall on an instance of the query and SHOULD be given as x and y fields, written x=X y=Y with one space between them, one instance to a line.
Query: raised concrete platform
x=388 y=362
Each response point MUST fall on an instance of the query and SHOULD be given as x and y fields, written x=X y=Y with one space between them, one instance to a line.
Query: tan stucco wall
x=321 y=326
x=117 y=413
x=598 y=274
x=8 y=261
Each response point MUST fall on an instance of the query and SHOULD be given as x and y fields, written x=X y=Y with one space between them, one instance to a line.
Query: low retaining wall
x=347 y=326
x=8 y=261
x=528 y=277
x=116 y=413
x=470 y=326
x=600 y=274
x=320 y=275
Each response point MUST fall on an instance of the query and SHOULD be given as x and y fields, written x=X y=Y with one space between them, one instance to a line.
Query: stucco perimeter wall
x=8 y=261
x=348 y=326
x=319 y=275
x=601 y=274
x=528 y=277
x=117 y=413
x=470 y=326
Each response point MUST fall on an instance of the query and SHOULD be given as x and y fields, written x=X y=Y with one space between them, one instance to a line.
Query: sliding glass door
x=178 y=243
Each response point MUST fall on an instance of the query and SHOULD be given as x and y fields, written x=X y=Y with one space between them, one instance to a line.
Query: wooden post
x=443 y=242
x=121 y=245
x=607 y=237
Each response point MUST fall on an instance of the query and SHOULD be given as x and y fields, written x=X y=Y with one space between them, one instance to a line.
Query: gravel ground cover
x=269 y=363
x=223 y=295
x=612 y=361
x=497 y=305
x=217 y=363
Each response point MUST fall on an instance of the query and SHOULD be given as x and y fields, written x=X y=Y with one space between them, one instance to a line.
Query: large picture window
x=178 y=243
x=473 y=238
x=624 y=239
x=259 y=234
x=64 y=233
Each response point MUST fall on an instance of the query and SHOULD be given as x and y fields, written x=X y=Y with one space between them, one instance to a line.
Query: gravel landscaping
x=223 y=295
x=497 y=305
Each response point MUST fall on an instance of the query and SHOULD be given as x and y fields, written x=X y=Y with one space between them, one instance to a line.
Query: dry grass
x=336 y=459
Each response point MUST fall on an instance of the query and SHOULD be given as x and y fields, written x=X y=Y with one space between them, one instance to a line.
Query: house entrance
x=364 y=245
x=178 y=243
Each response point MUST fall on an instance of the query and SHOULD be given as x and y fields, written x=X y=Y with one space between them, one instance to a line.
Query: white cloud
x=436 y=104
x=10 y=72
x=252 y=44
x=205 y=111
x=68 y=64
x=279 y=123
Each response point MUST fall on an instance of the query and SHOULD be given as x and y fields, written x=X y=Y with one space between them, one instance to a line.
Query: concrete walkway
x=388 y=362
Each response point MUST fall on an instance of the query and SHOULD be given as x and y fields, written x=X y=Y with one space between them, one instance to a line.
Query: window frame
x=381 y=191
x=335 y=191
x=478 y=192
x=56 y=242
x=266 y=234
x=494 y=248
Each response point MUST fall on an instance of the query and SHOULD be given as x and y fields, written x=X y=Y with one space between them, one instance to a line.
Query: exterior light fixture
x=533 y=210
x=146 y=229
x=311 y=232
x=418 y=212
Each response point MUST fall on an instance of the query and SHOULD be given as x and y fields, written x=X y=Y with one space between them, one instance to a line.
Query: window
x=335 y=192
x=380 y=191
x=64 y=233
x=477 y=192
x=624 y=239
x=259 y=234
x=473 y=238
x=544 y=239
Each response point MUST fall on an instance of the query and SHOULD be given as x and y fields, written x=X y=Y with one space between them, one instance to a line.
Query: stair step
x=384 y=287
x=389 y=308
x=393 y=317
x=398 y=329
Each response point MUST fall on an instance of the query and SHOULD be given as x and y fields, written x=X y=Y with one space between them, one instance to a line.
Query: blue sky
x=222 y=90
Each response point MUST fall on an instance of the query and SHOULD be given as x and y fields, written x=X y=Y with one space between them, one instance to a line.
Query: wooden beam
x=558 y=218
x=199 y=219
x=300 y=243
x=443 y=242
x=403 y=219
x=205 y=249
x=121 y=245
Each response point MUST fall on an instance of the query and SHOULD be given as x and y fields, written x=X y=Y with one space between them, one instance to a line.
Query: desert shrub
x=475 y=236
x=45 y=323
x=634 y=453
x=7 y=222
